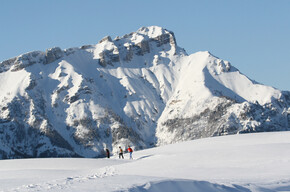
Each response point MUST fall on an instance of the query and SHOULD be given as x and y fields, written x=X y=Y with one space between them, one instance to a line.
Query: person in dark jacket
x=121 y=153
x=107 y=153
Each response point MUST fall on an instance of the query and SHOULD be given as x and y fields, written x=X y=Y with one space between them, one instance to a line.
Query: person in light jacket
x=121 y=153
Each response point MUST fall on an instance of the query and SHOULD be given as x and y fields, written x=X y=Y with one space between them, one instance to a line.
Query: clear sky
x=254 y=35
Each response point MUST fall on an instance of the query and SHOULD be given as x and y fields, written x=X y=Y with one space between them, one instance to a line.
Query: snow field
x=249 y=162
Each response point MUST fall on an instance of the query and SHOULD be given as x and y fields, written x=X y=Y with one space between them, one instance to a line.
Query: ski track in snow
x=66 y=183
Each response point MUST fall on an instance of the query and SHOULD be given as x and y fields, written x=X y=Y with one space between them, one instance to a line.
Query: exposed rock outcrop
x=53 y=54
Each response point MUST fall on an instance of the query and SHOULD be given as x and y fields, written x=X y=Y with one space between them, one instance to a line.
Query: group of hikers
x=121 y=152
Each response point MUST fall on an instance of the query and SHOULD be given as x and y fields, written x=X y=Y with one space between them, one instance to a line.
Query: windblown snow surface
x=247 y=162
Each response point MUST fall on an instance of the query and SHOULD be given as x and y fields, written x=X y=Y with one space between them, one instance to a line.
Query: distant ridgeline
x=140 y=90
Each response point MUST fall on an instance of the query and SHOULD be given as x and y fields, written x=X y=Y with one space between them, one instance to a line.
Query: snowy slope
x=140 y=89
x=214 y=98
x=248 y=162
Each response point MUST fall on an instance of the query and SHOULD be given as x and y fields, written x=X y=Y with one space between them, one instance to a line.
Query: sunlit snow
x=249 y=162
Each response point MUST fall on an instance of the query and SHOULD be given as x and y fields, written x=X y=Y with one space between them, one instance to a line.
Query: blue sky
x=254 y=35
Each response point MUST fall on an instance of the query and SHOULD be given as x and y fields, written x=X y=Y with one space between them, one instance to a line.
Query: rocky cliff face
x=140 y=90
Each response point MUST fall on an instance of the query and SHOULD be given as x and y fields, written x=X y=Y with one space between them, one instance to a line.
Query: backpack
x=130 y=149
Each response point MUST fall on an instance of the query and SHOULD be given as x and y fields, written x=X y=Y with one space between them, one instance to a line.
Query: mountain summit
x=140 y=90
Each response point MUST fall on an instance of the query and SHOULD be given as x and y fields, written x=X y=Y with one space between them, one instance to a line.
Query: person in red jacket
x=130 y=150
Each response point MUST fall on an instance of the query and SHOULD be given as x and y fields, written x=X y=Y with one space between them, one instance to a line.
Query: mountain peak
x=153 y=31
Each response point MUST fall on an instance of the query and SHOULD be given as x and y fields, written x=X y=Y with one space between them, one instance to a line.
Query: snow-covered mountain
x=140 y=89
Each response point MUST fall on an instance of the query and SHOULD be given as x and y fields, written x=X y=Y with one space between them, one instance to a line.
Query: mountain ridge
x=140 y=89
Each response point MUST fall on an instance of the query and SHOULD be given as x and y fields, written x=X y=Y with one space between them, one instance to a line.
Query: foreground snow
x=249 y=162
